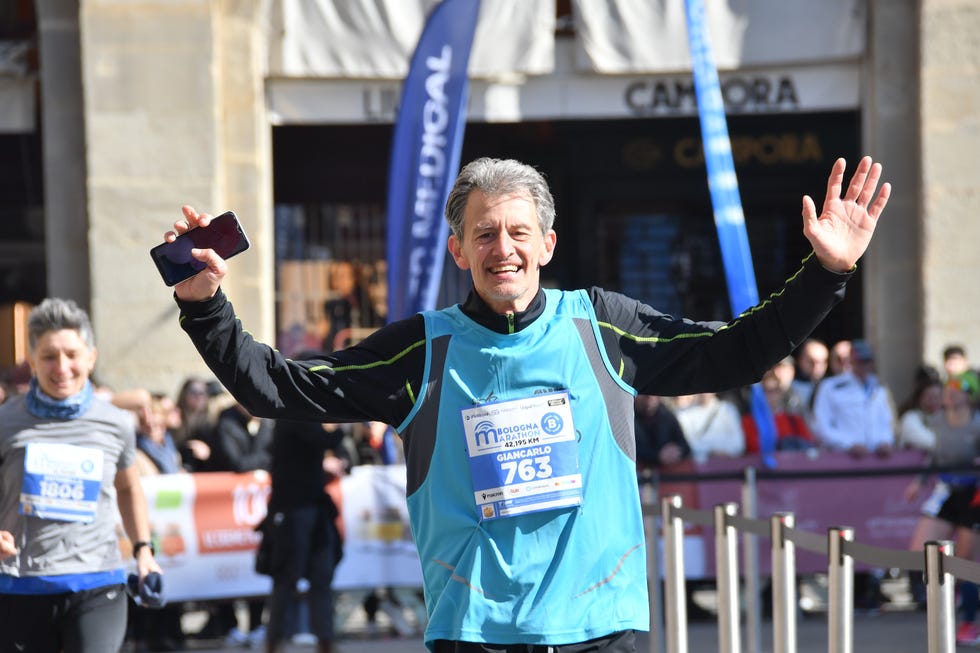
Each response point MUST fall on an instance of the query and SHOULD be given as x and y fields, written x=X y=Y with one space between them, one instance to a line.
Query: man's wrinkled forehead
x=484 y=211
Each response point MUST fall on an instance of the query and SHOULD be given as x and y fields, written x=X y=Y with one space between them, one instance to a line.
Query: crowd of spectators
x=822 y=398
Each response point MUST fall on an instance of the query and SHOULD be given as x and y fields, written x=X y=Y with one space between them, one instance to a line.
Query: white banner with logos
x=203 y=529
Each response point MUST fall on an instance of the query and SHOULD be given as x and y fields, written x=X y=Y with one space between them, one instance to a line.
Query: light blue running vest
x=554 y=577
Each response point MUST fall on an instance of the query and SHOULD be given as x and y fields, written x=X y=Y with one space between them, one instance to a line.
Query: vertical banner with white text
x=428 y=138
x=736 y=256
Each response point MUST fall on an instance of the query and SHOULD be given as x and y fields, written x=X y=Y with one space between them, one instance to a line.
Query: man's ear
x=550 y=240
x=456 y=250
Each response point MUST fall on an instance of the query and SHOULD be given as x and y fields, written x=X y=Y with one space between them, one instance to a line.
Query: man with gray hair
x=516 y=407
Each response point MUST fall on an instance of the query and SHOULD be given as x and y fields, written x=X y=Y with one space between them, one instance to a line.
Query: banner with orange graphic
x=203 y=529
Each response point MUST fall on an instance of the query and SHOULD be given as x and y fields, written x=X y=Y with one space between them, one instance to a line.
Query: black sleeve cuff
x=205 y=307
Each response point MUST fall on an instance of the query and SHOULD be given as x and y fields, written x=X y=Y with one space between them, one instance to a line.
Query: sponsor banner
x=379 y=550
x=203 y=529
x=722 y=182
x=425 y=155
x=725 y=199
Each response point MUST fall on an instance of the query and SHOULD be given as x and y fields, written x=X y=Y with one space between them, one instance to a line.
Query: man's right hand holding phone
x=205 y=283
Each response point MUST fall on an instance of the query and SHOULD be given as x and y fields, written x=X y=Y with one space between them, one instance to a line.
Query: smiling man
x=516 y=407
x=504 y=249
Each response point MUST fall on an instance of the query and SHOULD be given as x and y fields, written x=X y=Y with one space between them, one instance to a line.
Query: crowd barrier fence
x=666 y=518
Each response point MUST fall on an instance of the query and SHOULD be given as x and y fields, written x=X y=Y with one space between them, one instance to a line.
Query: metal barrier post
x=726 y=556
x=940 y=599
x=750 y=566
x=648 y=494
x=674 y=582
x=783 y=584
x=840 y=568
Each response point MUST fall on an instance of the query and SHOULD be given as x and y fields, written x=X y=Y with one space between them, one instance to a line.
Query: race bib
x=61 y=482
x=523 y=455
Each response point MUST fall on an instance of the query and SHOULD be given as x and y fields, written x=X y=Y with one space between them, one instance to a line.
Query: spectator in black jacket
x=241 y=443
x=305 y=525
x=659 y=437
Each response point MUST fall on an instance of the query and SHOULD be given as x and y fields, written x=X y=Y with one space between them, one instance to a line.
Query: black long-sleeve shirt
x=382 y=377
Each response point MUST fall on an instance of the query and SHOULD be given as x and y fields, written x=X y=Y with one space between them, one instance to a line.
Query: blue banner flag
x=428 y=138
x=723 y=185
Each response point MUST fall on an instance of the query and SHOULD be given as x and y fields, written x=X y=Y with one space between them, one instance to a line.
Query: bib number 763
x=527 y=469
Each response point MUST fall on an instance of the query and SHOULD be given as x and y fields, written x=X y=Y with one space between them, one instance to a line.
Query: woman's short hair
x=56 y=314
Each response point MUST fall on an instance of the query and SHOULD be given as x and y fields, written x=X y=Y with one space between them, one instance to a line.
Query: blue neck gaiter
x=41 y=405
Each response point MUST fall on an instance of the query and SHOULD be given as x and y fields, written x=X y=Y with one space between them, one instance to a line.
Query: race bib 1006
x=523 y=455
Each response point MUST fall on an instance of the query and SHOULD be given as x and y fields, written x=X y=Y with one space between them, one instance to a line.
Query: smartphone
x=224 y=235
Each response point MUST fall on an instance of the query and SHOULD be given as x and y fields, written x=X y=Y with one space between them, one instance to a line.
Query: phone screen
x=174 y=261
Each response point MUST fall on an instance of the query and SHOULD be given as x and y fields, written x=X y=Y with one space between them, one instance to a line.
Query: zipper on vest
x=510 y=323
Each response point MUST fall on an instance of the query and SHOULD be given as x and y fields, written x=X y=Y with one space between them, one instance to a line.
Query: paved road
x=888 y=632
x=898 y=628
